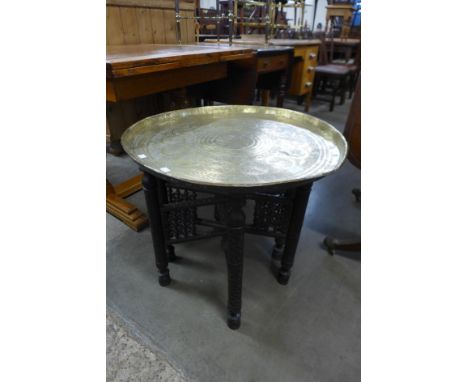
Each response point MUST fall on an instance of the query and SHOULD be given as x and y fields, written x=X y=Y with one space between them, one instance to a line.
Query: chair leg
x=332 y=103
x=316 y=85
x=350 y=85
x=343 y=81
x=308 y=99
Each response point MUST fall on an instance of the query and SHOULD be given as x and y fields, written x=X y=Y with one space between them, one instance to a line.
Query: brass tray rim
x=335 y=131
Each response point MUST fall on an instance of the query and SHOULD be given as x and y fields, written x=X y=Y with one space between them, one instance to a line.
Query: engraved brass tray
x=236 y=146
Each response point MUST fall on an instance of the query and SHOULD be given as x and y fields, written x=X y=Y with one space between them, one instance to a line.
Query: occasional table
x=224 y=156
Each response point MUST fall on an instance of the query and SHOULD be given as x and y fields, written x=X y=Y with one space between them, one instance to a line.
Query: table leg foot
x=233 y=321
x=164 y=278
x=283 y=276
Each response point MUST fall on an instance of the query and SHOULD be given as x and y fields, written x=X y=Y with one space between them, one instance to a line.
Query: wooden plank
x=129 y=25
x=145 y=29
x=191 y=29
x=137 y=86
x=126 y=212
x=127 y=60
x=169 y=26
x=129 y=187
x=155 y=4
x=107 y=22
x=183 y=28
x=157 y=25
x=114 y=31
x=143 y=70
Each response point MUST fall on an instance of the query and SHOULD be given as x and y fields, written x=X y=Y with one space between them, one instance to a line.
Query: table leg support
x=233 y=245
x=153 y=196
x=297 y=218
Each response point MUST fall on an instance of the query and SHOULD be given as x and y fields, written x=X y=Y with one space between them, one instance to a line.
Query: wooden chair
x=353 y=136
x=353 y=64
x=330 y=79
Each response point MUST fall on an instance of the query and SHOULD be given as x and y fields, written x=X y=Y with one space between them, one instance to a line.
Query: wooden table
x=136 y=74
x=220 y=158
x=274 y=65
x=303 y=65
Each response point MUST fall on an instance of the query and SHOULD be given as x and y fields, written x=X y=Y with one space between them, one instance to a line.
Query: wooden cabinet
x=272 y=64
x=305 y=61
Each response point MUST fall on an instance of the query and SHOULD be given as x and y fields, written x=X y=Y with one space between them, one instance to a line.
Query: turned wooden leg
x=170 y=250
x=116 y=123
x=282 y=90
x=308 y=99
x=343 y=82
x=233 y=245
x=154 y=197
x=315 y=85
x=332 y=103
x=294 y=232
x=265 y=97
x=350 y=85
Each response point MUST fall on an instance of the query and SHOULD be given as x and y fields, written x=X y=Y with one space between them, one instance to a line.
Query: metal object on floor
x=222 y=156
x=333 y=245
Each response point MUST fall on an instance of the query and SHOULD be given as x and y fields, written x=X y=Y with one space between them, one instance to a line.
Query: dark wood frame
x=230 y=223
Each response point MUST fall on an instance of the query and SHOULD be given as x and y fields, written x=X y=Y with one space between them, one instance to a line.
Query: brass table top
x=236 y=146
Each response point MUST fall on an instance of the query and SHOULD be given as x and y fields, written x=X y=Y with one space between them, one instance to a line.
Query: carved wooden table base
x=278 y=214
